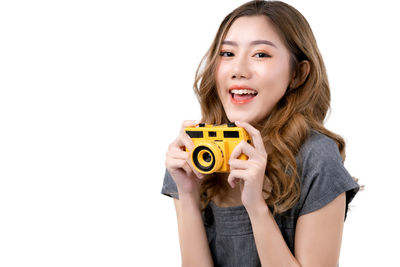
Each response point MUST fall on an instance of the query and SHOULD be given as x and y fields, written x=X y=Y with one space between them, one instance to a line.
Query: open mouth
x=241 y=96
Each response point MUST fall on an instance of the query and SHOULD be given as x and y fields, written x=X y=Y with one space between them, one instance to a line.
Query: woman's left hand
x=249 y=173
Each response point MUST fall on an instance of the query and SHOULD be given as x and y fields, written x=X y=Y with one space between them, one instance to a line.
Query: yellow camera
x=213 y=146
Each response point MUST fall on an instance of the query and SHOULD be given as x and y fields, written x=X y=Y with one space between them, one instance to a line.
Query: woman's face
x=253 y=70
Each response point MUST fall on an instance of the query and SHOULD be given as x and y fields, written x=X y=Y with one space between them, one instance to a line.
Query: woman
x=286 y=204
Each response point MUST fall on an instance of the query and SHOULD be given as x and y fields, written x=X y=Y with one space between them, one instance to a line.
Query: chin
x=244 y=118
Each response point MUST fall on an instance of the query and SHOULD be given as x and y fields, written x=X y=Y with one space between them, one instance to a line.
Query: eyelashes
x=262 y=55
x=257 y=55
x=226 y=54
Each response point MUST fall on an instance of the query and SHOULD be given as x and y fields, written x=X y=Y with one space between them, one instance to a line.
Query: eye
x=261 y=55
x=226 y=54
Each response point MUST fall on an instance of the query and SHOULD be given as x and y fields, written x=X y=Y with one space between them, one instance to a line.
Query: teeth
x=243 y=92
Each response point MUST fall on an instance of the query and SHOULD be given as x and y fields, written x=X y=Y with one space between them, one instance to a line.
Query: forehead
x=250 y=28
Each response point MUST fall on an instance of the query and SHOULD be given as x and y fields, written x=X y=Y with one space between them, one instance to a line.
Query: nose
x=240 y=68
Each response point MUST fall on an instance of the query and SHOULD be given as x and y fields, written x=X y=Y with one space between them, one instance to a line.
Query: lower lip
x=240 y=102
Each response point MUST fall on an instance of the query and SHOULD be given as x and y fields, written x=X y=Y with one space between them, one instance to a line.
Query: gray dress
x=323 y=178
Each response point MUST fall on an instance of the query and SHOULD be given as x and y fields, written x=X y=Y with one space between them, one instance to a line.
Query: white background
x=92 y=93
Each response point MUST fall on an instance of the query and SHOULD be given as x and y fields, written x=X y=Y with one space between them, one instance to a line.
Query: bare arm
x=192 y=235
x=317 y=240
x=271 y=247
x=319 y=234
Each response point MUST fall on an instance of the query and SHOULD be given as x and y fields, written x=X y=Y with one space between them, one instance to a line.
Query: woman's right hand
x=179 y=165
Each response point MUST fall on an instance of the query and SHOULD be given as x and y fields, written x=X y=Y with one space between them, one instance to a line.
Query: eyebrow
x=255 y=42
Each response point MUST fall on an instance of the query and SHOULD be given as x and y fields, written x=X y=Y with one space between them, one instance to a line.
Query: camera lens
x=206 y=157
x=203 y=159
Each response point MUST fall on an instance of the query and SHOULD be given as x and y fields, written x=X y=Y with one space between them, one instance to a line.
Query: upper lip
x=241 y=87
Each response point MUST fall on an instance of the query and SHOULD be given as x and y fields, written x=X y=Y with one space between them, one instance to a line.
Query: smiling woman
x=259 y=65
x=264 y=72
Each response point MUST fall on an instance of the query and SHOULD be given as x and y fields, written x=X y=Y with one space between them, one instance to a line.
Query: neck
x=228 y=197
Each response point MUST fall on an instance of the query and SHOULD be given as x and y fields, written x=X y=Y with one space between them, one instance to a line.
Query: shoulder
x=319 y=147
x=322 y=173
x=317 y=152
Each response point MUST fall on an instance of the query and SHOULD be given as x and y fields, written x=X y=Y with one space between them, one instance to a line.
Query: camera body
x=213 y=145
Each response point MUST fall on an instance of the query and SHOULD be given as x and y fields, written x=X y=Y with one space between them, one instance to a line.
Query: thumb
x=198 y=174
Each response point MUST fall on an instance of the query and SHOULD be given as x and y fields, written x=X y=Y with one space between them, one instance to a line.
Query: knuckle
x=187 y=123
x=184 y=123
x=170 y=146
x=180 y=164
x=183 y=136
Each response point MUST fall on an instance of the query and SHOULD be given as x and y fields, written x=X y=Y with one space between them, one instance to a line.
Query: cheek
x=220 y=73
x=220 y=78
x=275 y=76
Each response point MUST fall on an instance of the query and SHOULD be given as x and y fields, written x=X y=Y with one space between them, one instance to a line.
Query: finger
x=198 y=174
x=235 y=176
x=185 y=139
x=238 y=164
x=243 y=148
x=187 y=168
x=235 y=182
x=178 y=154
x=255 y=135
x=189 y=123
x=232 y=181
x=176 y=159
x=176 y=144
x=190 y=164
x=241 y=184
x=175 y=164
x=180 y=143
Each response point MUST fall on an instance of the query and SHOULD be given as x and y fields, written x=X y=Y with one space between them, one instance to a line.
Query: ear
x=301 y=74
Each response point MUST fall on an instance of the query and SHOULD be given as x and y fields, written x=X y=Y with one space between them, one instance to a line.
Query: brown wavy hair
x=302 y=108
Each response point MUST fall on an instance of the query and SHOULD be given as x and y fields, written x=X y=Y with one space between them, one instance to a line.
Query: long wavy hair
x=286 y=127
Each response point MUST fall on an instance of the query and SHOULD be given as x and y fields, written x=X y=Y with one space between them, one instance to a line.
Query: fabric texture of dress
x=323 y=177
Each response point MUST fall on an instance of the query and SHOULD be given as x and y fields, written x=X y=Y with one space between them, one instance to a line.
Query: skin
x=262 y=67
x=318 y=234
